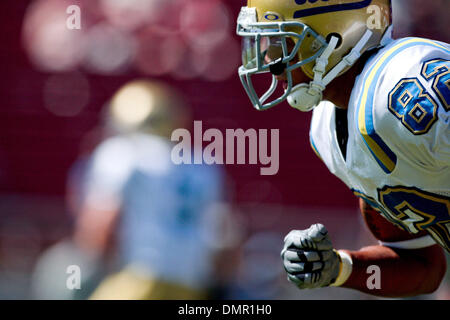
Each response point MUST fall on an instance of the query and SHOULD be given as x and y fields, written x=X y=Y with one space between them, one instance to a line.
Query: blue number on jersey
x=187 y=199
x=439 y=70
x=377 y=207
x=417 y=210
x=413 y=105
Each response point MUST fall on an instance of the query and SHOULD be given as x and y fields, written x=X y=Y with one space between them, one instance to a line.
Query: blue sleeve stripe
x=313 y=146
x=384 y=156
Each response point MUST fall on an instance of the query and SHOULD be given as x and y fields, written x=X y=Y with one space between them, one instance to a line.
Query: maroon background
x=37 y=148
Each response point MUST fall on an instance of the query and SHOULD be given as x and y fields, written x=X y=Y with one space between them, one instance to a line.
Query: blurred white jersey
x=398 y=150
x=167 y=226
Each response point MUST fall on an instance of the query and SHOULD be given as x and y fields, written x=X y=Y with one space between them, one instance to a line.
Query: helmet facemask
x=265 y=50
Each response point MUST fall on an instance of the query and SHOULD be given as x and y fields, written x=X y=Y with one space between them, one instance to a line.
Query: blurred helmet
x=147 y=106
x=327 y=38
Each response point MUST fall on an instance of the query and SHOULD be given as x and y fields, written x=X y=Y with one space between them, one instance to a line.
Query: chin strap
x=307 y=96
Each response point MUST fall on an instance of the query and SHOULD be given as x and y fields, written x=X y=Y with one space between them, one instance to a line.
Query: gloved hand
x=309 y=258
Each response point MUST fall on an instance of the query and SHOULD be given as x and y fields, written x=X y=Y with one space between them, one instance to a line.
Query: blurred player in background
x=383 y=131
x=168 y=224
x=170 y=219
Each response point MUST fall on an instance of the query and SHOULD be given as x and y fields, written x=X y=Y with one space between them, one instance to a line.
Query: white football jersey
x=398 y=149
x=168 y=226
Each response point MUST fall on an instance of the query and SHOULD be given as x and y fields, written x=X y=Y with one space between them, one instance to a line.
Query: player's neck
x=339 y=91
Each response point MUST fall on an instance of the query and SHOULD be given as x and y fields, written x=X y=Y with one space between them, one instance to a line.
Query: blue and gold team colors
x=398 y=150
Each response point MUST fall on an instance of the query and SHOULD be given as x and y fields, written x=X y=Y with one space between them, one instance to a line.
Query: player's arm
x=406 y=270
x=311 y=261
x=104 y=181
x=94 y=229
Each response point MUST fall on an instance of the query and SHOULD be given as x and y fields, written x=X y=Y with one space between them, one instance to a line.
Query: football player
x=169 y=221
x=380 y=123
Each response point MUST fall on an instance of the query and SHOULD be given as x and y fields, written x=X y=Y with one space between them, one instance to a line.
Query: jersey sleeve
x=108 y=172
x=403 y=109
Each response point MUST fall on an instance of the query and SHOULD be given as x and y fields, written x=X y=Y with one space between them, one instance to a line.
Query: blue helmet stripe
x=331 y=8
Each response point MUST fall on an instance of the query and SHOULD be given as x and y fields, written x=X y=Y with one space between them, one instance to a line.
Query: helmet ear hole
x=337 y=35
